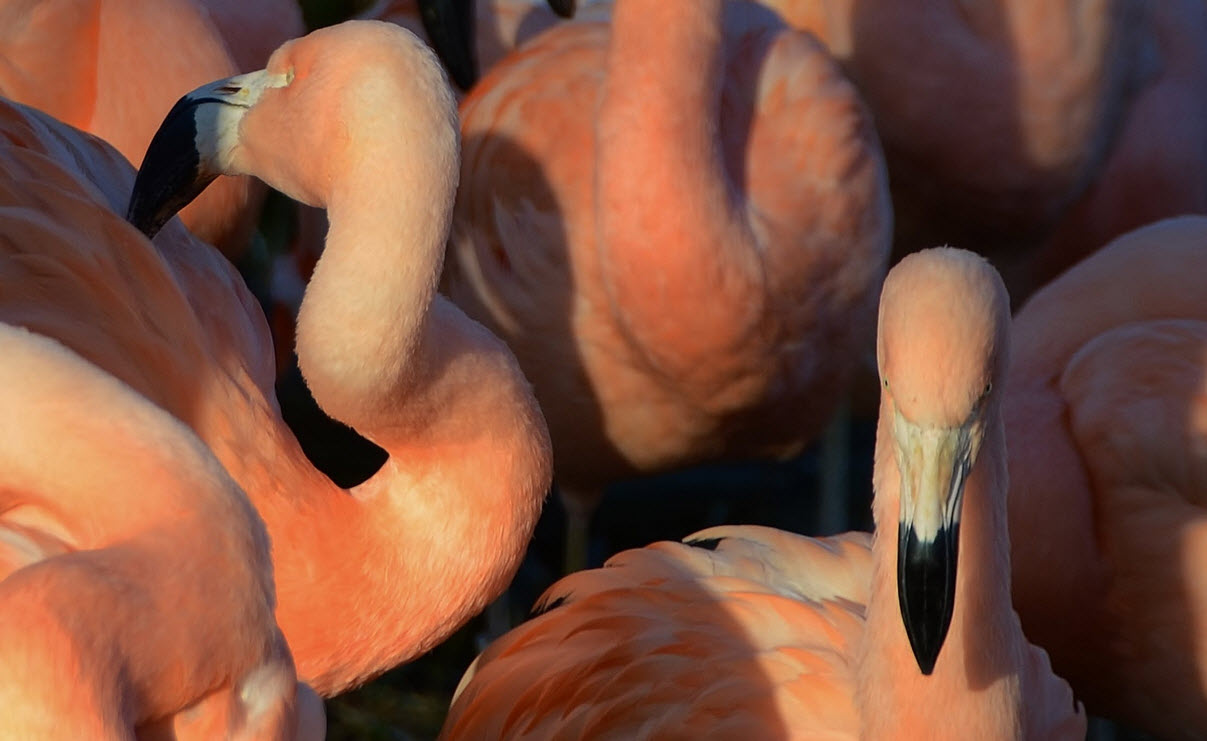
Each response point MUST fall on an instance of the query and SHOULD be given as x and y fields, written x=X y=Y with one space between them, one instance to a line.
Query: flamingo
x=1103 y=411
x=678 y=222
x=402 y=560
x=751 y=632
x=359 y=119
x=136 y=591
x=994 y=115
x=1155 y=168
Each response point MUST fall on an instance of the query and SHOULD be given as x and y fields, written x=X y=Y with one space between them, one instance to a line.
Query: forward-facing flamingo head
x=304 y=121
x=942 y=350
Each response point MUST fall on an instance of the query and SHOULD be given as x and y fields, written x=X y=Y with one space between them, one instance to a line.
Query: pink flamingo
x=1104 y=414
x=678 y=222
x=749 y=632
x=994 y=115
x=136 y=592
x=1157 y=165
x=359 y=119
x=402 y=560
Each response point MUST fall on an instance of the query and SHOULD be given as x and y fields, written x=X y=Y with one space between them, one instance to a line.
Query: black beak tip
x=170 y=176
x=926 y=585
x=564 y=8
x=139 y=215
x=926 y=656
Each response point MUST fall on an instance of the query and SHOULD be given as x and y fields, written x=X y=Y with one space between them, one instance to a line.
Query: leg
x=835 y=473
x=580 y=505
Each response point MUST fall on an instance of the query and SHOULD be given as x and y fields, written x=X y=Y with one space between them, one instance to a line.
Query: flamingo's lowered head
x=206 y=133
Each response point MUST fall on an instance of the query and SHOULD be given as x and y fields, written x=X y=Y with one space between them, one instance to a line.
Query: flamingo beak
x=934 y=463
x=193 y=146
x=564 y=8
x=449 y=25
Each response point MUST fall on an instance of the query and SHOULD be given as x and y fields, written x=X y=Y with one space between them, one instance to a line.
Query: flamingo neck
x=370 y=580
x=361 y=323
x=976 y=684
x=658 y=128
x=672 y=229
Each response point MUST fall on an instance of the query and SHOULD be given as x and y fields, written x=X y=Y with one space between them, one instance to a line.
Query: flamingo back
x=748 y=631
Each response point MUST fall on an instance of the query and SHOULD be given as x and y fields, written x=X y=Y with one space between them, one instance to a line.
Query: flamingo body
x=174 y=321
x=252 y=31
x=667 y=277
x=1156 y=164
x=136 y=588
x=1104 y=402
x=1037 y=90
x=774 y=617
x=757 y=632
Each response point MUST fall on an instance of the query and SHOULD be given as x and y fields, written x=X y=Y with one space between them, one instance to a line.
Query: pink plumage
x=752 y=632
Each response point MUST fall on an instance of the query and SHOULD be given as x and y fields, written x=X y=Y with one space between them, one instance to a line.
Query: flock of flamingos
x=655 y=234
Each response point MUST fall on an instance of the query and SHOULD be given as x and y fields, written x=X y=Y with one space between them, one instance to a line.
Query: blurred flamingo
x=749 y=632
x=1031 y=95
x=1157 y=166
x=678 y=222
x=137 y=588
x=114 y=68
x=1104 y=412
x=253 y=30
x=401 y=561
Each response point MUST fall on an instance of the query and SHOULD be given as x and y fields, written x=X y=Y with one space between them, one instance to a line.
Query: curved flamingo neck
x=978 y=677
x=361 y=322
x=372 y=579
x=671 y=229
